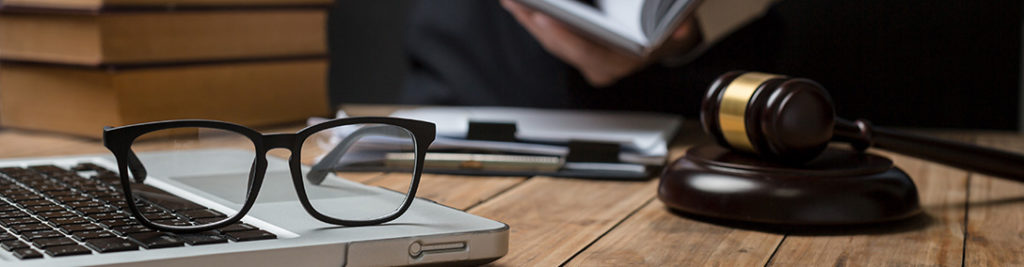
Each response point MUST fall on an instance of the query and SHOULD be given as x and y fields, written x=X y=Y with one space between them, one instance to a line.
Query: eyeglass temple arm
x=134 y=164
x=136 y=168
x=326 y=165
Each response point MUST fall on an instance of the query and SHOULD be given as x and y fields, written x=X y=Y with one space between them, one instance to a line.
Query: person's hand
x=600 y=65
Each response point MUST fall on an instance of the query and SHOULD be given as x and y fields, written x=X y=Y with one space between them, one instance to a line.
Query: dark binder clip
x=492 y=131
x=591 y=151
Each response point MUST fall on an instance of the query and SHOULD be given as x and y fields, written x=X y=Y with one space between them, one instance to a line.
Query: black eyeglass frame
x=119 y=140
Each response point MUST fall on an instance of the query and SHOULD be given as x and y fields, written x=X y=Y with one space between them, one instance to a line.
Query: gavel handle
x=971 y=157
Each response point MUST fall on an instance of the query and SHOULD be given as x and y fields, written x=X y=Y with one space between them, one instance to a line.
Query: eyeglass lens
x=334 y=161
x=175 y=155
x=344 y=155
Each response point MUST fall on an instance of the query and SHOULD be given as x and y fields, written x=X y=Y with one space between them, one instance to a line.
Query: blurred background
x=934 y=64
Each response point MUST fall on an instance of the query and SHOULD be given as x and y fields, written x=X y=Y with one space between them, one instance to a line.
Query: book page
x=661 y=17
x=627 y=14
x=581 y=13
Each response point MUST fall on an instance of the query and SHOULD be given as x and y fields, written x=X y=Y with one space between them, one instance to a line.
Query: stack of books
x=74 y=66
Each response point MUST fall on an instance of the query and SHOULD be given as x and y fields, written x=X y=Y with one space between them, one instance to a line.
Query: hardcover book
x=103 y=4
x=149 y=37
x=81 y=100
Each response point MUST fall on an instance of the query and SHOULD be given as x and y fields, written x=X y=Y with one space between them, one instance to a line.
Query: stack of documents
x=571 y=143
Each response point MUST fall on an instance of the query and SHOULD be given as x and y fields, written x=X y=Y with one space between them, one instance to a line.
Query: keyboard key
x=113 y=182
x=109 y=216
x=87 y=203
x=111 y=193
x=5 y=236
x=69 y=221
x=174 y=222
x=86 y=166
x=11 y=170
x=57 y=214
x=29 y=227
x=86 y=235
x=52 y=187
x=17 y=221
x=31 y=179
x=150 y=210
x=13 y=214
x=63 y=193
x=67 y=250
x=25 y=197
x=111 y=244
x=110 y=198
x=237 y=227
x=47 y=208
x=95 y=210
x=163 y=199
x=118 y=222
x=13 y=191
x=35 y=202
x=47 y=168
x=78 y=181
x=203 y=238
x=4 y=207
x=201 y=214
x=36 y=182
x=69 y=178
x=131 y=229
x=72 y=198
x=27 y=253
x=120 y=204
x=160 y=216
x=52 y=242
x=99 y=189
x=33 y=235
x=74 y=228
x=156 y=240
x=250 y=235
x=13 y=244
x=208 y=220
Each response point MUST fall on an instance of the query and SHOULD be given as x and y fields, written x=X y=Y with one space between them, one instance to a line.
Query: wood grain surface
x=552 y=219
x=654 y=236
x=995 y=217
x=460 y=192
x=932 y=239
x=968 y=219
x=935 y=238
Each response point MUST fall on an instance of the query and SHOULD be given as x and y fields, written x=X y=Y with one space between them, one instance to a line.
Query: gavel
x=792 y=120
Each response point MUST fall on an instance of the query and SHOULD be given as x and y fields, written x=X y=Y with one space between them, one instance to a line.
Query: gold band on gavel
x=734 y=108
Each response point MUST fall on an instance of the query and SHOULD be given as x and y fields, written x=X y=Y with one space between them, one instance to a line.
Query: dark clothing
x=475 y=53
x=909 y=64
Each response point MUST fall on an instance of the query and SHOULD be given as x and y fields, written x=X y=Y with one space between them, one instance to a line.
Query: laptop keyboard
x=60 y=212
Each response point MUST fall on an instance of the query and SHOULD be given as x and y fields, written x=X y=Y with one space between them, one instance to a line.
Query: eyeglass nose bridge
x=279 y=140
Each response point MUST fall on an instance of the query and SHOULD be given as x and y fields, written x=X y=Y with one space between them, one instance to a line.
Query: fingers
x=686 y=29
x=551 y=34
x=599 y=64
x=556 y=36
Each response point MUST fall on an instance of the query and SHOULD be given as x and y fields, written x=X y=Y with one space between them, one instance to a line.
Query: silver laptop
x=276 y=232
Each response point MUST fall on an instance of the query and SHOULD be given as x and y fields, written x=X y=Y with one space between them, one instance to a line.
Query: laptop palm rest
x=277 y=207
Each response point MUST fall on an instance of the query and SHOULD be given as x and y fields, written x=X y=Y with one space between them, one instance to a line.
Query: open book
x=635 y=26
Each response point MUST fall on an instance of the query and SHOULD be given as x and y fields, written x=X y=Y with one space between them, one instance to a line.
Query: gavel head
x=773 y=116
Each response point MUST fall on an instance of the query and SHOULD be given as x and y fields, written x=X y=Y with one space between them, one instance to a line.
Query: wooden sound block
x=839 y=187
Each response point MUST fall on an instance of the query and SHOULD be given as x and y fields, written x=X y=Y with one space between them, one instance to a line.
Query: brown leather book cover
x=81 y=100
x=152 y=4
x=151 y=37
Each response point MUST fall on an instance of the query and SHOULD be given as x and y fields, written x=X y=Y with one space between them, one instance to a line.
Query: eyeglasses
x=339 y=152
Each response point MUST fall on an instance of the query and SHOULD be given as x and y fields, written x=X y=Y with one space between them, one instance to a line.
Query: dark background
x=939 y=64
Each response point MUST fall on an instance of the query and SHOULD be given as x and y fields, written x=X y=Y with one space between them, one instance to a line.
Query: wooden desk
x=969 y=219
